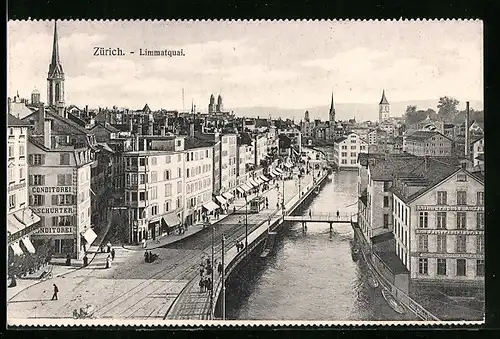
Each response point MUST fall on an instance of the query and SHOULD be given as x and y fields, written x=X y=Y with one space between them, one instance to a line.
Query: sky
x=292 y=64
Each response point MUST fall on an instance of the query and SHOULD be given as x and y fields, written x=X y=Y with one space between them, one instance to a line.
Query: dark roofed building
x=430 y=143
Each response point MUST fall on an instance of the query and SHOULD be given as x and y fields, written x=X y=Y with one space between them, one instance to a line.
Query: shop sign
x=52 y=189
x=52 y=210
x=57 y=230
x=444 y=208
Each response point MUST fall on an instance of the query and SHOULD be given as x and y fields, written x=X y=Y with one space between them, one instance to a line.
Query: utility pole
x=283 y=193
x=223 y=282
x=212 y=277
x=246 y=225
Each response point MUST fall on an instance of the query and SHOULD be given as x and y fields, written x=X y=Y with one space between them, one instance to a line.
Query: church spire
x=383 y=101
x=55 y=67
x=331 y=105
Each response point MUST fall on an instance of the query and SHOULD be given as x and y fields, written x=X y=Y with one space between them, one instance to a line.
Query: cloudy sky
x=272 y=64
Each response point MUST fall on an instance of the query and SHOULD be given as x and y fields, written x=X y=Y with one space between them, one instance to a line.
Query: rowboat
x=372 y=281
x=395 y=305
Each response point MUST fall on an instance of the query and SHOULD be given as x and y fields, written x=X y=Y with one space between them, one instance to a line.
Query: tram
x=257 y=204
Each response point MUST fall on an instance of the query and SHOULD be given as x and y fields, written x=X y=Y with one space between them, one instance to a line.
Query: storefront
x=209 y=210
x=170 y=222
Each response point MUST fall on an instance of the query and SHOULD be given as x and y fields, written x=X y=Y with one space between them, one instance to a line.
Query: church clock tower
x=331 y=113
x=383 y=108
x=55 y=78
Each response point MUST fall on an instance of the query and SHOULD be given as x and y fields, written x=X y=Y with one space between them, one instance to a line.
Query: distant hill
x=344 y=111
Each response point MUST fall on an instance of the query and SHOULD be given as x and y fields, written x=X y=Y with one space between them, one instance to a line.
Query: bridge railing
x=324 y=216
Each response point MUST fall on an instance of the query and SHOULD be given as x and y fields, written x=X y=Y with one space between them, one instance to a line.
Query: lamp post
x=283 y=196
x=246 y=224
x=223 y=282
x=212 y=276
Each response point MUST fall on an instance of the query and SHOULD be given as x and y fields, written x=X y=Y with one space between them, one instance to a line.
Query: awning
x=276 y=173
x=279 y=170
x=264 y=178
x=29 y=246
x=13 y=225
x=89 y=236
x=171 y=219
x=27 y=217
x=221 y=199
x=16 y=248
x=288 y=165
x=246 y=187
x=272 y=174
x=255 y=184
x=259 y=181
x=210 y=206
x=228 y=195
x=241 y=189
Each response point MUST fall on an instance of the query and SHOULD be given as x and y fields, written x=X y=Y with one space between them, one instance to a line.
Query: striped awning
x=279 y=170
x=14 y=225
x=247 y=187
x=221 y=199
x=29 y=246
x=276 y=173
x=264 y=178
x=228 y=195
x=272 y=174
x=210 y=206
x=16 y=248
x=288 y=165
x=253 y=182
x=241 y=189
x=171 y=219
x=259 y=181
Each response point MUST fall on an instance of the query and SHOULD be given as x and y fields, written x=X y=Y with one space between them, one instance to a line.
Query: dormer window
x=461 y=177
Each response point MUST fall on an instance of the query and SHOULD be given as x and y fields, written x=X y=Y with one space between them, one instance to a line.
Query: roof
x=480 y=157
x=385 y=167
x=383 y=101
x=424 y=135
x=74 y=128
x=108 y=127
x=12 y=121
x=363 y=157
x=392 y=261
x=244 y=138
x=377 y=239
x=190 y=143
x=339 y=140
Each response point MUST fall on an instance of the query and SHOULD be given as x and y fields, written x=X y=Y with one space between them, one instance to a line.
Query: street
x=132 y=288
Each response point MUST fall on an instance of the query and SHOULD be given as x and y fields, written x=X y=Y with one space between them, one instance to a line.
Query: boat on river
x=395 y=305
x=355 y=254
x=372 y=281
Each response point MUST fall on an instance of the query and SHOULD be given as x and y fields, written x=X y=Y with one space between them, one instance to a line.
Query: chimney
x=41 y=118
x=130 y=126
x=191 y=130
x=47 y=133
x=467 y=136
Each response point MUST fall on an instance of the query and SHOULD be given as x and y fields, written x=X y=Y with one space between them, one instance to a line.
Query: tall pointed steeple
x=383 y=101
x=55 y=67
x=331 y=113
x=55 y=78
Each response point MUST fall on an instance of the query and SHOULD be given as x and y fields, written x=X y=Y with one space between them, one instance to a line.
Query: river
x=311 y=276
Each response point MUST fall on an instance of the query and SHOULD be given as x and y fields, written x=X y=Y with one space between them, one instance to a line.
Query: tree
x=447 y=108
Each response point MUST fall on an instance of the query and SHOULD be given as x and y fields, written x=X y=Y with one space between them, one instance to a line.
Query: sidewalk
x=59 y=270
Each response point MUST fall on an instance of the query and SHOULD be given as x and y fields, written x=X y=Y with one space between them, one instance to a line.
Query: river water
x=311 y=276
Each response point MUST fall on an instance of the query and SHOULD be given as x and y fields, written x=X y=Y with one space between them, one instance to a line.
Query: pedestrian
x=201 y=285
x=146 y=256
x=85 y=260
x=209 y=284
x=309 y=213
x=108 y=261
x=338 y=214
x=206 y=284
x=113 y=253
x=144 y=244
x=109 y=247
x=202 y=269
x=237 y=247
x=56 y=290
x=219 y=268
x=68 y=259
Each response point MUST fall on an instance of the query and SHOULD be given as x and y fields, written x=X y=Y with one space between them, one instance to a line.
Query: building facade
x=440 y=233
x=346 y=150
x=22 y=222
x=427 y=143
x=228 y=163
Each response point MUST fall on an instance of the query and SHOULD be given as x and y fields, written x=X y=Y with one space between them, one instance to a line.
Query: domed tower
x=383 y=108
x=211 y=104
x=35 y=97
x=220 y=107
x=55 y=78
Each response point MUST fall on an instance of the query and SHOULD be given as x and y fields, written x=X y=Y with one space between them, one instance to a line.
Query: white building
x=346 y=150
x=21 y=221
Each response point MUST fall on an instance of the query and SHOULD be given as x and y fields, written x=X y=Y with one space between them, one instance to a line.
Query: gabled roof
x=12 y=121
x=106 y=126
x=190 y=143
x=424 y=135
x=70 y=128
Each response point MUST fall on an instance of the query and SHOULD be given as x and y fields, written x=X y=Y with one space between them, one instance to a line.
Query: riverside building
x=21 y=221
x=438 y=214
x=154 y=186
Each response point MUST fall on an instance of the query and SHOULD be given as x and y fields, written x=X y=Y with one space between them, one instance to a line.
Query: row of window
x=64 y=158
x=12 y=174
x=353 y=154
x=441 y=243
x=344 y=161
x=442 y=198
x=441 y=220
x=461 y=267
x=20 y=154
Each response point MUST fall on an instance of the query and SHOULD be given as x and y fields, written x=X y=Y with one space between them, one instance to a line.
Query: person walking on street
x=113 y=253
x=338 y=214
x=219 y=268
x=85 y=260
x=108 y=245
x=201 y=284
x=144 y=245
x=310 y=213
x=108 y=261
x=56 y=290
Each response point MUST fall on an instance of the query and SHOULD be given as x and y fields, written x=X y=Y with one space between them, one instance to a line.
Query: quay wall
x=259 y=235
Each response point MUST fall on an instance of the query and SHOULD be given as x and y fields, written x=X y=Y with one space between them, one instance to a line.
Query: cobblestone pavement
x=132 y=288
